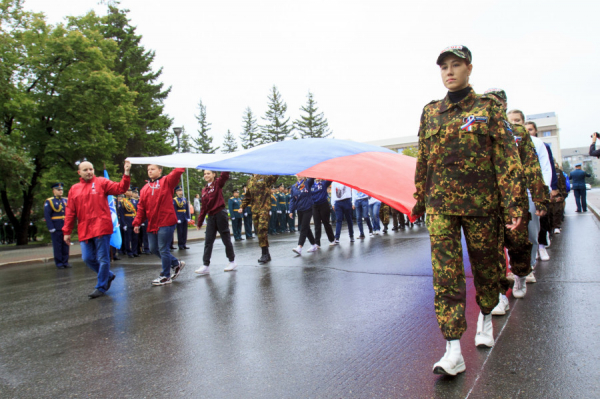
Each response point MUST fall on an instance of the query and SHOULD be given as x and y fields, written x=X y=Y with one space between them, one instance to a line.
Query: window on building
x=547 y=133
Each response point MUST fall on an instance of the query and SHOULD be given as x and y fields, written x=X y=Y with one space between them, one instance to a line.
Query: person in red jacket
x=213 y=205
x=156 y=207
x=88 y=203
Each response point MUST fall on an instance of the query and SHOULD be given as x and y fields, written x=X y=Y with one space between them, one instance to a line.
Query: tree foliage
x=277 y=127
x=410 y=151
x=229 y=143
x=250 y=135
x=203 y=143
x=66 y=94
x=313 y=124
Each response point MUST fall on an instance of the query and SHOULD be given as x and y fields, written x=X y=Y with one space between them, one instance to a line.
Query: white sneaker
x=520 y=287
x=510 y=276
x=543 y=253
x=530 y=278
x=485 y=331
x=232 y=266
x=203 y=270
x=371 y=234
x=334 y=242
x=298 y=250
x=502 y=307
x=377 y=232
x=557 y=231
x=314 y=248
x=452 y=363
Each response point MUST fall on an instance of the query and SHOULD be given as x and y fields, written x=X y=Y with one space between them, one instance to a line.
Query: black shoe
x=147 y=253
x=67 y=266
x=96 y=294
x=361 y=237
x=186 y=247
x=130 y=256
x=116 y=258
x=60 y=267
x=110 y=280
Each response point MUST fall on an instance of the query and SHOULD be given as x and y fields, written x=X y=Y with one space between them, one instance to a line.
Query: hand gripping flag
x=115 y=238
x=376 y=171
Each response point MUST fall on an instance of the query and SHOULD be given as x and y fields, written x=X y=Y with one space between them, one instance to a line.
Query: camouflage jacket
x=468 y=164
x=532 y=172
x=562 y=186
x=258 y=193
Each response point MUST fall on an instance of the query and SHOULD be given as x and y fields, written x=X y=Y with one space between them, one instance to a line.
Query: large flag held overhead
x=376 y=171
x=115 y=238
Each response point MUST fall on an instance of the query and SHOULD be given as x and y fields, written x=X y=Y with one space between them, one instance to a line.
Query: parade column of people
x=88 y=203
x=467 y=168
x=156 y=209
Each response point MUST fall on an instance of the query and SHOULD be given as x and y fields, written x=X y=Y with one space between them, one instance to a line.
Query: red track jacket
x=89 y=204
x=156 y=202
x=212 y=198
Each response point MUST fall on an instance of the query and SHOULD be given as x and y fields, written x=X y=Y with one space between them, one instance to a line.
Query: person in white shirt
x=341 y=202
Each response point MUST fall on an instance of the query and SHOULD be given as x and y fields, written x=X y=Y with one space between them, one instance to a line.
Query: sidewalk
x=44 y=254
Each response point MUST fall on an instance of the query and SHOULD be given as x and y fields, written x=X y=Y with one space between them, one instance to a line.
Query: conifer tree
x=203 y=143
x=250 y=135
x=277 y=126
x=229 y=143
x=313 y=124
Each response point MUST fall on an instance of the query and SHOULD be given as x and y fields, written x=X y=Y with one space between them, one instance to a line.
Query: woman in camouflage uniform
x=467 y=168
x=258 y=196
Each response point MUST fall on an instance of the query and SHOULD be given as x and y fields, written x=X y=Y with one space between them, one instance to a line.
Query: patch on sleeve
x=508 y=126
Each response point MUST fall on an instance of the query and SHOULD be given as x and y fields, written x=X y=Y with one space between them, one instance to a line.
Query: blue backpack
x=568 y=182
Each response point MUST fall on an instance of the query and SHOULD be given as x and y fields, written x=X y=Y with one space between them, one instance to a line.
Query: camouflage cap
x=498 y=93
x=459 y=51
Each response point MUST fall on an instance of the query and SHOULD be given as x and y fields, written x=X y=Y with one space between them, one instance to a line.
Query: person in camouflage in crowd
x=384 y=216
x=517 y=241
x=258 y=196
x=467 y=168
x=557 y=202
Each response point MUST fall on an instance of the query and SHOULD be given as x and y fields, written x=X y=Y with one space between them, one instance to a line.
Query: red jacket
x=89 y=204
x=212 y=198
x=156 y=202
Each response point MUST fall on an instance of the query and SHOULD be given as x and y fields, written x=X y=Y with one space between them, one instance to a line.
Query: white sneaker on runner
x=314 y=248
x=530 y=278
x=298 y=250
x=543 y=253
x=231 y=267
x=501 y=307
x=203 y=270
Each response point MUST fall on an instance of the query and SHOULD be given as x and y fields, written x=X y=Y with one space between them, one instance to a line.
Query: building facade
x=581 y=155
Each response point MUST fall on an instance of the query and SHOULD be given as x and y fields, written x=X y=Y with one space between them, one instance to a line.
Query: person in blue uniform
x=128 y=211
x=54 y=214
x=281 y=209
x=234 y=204
x=290 y=216
x=273 y=212
x=247 y=215
x=182 y=210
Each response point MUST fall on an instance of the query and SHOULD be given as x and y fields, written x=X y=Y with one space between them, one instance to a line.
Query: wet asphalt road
x=353 y=321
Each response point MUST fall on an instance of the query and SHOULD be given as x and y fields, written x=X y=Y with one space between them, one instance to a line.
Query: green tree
x=203 y=143
x=589 y=169
x=566 y=167
x=61 y=101
x=277 y=126
x=410 y=151
x=313 y=124
x=148 y=133
x=250 y=135
x=229 y=143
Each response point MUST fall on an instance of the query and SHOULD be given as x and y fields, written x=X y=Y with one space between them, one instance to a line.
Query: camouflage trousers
x=556 y=211
x=519 y=250
x=449 y=284
x=261 y=226
x=384 y=214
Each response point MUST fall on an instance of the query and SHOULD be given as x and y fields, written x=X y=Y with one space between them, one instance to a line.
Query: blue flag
x=115 y=238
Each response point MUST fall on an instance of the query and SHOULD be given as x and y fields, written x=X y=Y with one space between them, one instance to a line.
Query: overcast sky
x=370 y=64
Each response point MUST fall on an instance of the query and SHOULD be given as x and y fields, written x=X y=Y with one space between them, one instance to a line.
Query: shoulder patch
x=508 y=126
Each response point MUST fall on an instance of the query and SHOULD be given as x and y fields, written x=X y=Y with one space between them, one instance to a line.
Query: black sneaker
x=161 y=281
x=110 y=280
x=361 y=237
x=177 y=269
x=96 y=294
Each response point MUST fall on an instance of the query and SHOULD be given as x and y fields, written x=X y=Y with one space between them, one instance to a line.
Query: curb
x=594 y=211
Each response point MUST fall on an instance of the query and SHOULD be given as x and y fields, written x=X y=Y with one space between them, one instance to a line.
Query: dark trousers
x=144 y=239
x=182 y=231
x=283 y=226
x=130 y=241
x=304 y=227
x=248 y=224
x=321 y=215
x=343 y=209
x=61 y=249
x=217 y=222
x=544 y=229
x=236 y=226
x=580 y=199
x=273 y=221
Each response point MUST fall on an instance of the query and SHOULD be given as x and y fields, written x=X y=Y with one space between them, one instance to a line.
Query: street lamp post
x=177 y=131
